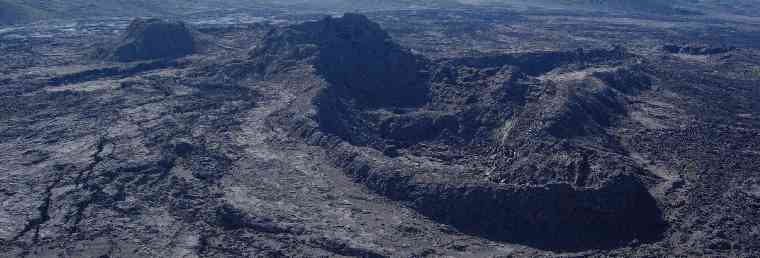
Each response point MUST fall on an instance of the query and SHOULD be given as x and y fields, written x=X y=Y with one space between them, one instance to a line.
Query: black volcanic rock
x=154 y=39
x=293 y=150
x=354 y=54
x=696 y=50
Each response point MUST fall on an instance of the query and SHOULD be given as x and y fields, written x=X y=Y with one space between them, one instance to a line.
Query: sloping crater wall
x=336 y=114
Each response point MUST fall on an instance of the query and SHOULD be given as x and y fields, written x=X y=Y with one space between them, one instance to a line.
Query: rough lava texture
x=354 y=54
x=461 y=148
x=328 y=139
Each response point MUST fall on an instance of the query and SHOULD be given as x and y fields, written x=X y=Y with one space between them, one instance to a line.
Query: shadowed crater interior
x=508 y=147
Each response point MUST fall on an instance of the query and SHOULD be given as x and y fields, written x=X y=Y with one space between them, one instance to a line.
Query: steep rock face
x=355 y=55
x=511 y=147
x=554 y=216
x=154 y=39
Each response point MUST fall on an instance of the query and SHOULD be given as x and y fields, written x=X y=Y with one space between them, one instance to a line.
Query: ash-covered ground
x=460 y=132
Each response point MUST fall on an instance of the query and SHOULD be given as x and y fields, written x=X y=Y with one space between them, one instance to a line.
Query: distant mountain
x=633 y=4
x=733 y=7
x=21 y=11
x=627 y=6
x=674 y=7
x=348 y=5
x=14 y=12
x=651 y=6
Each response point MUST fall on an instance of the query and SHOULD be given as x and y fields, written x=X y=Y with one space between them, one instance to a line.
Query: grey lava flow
x=393 y=133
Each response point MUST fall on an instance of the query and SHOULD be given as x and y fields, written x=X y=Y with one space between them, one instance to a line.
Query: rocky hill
x=153 y=39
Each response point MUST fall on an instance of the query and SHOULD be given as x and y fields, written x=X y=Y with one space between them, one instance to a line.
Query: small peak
x=356 y=17
x=349 y=31
x=154 y=38
x=352 y=53
x=352 y=26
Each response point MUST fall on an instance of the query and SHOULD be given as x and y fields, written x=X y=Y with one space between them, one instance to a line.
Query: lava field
x=461 y=132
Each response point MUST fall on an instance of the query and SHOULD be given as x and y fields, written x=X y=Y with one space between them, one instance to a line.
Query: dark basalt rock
x=154 y=39
x=544 y=153
x=537 y=63
x=116 y=71
x=696 y=50
x=183 y=148
x=554 y=216
x=354 y=54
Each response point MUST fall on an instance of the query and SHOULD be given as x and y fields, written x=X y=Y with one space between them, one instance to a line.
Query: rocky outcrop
x=147 y=39
x=696 y=50
x=354 y=55
x=557 y=216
